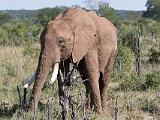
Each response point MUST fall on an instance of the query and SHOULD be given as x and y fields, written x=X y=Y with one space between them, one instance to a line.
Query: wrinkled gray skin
x=85 y=38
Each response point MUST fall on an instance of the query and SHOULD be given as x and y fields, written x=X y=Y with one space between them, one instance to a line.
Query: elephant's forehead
x=63 y=33
x=60 y=24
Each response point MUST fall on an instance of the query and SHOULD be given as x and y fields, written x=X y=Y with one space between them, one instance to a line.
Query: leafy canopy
x=4 y=18
x=153 y=9
x=47 y=14
x=106 y=11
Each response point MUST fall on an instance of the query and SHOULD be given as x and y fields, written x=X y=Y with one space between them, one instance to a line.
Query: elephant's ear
x=83 y=41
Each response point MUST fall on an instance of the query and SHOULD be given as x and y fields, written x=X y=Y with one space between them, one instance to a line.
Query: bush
x=45 y=15
x=19 y=34
x=31 y=51
x=4 y=17
x=152 y=80
x=127 y=35
x=151 y=106
x=132 y=83
x=3 y=37
x=125 y=61
x=154 y=56
x=10 y=70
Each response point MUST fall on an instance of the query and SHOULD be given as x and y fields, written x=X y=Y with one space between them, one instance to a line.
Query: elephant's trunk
x=46 y=60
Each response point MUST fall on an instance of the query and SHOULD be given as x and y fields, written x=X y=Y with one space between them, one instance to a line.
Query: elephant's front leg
x=91 y=60
x=84 y=74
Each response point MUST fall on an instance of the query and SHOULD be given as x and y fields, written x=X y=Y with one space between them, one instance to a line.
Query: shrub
x=152 y=80
x=132 y=83
x=154 y=56
x=4 y=17
x=10 y=70
x=149 y=105
x=19 y=34
x=125 y=62
x=31 y=51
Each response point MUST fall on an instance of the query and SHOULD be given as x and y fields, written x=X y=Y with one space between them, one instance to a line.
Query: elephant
x=77 y=36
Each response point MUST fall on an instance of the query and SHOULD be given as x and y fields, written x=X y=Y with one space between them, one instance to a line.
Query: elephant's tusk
x=30 y=81
x=55 y=73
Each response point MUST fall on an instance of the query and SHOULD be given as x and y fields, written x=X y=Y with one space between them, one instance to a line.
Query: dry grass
x=15 y=69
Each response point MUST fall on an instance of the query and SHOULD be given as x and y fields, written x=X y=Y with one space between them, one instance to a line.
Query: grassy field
x=16 y=65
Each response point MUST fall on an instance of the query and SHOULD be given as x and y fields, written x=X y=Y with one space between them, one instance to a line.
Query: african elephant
x=83 y=37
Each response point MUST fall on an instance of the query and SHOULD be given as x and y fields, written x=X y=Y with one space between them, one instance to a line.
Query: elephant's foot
x=99 y=110
x=104 y=104
x=32 y=106
x=90 y=106
x=105 y=109
x=87 y=105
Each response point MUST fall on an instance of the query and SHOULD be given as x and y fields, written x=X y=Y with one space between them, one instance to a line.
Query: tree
x=92 y=4
x=3 y=36
x=47 y=14
x=4 y=17
x=153 y=9
x=106 y=11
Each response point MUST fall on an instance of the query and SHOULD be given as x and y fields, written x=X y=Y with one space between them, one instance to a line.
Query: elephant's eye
x=61 y=40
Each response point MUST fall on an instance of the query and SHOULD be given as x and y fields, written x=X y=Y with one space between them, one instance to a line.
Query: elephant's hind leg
x=105 y=81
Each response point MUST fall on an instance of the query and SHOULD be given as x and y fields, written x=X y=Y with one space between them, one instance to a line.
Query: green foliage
x=30 y=51
x=126 y=56
x=130 y=16
x=151 y=106
x=154 y=56
x=3 y=37
x=149 y=81
x=47 y=14
x=106 y=11
x=152 y=80
x=10 y=70
x=124 y=67
x=4 y=18
x=153 y=9
x=127 y=35
x=131 y=83
x=151 y=28
x=19 y=33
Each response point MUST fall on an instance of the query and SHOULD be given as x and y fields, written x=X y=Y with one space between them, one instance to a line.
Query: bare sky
x=37 y=4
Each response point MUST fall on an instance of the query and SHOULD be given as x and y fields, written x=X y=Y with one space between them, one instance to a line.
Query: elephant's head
x=57 y=41
x=67 y=36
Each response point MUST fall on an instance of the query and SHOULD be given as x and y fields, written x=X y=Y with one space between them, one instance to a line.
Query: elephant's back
x=78 y=16
x=108 y=32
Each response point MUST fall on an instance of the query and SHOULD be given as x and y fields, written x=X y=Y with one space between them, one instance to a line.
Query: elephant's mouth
x=64 y=57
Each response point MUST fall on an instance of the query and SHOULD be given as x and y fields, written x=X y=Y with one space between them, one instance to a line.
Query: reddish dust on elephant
x=81 y=37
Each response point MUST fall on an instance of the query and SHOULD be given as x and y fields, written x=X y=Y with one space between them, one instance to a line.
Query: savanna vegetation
x=134 y=89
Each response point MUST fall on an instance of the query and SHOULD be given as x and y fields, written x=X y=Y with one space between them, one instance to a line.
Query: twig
x=116 y=109
x=19 y=94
